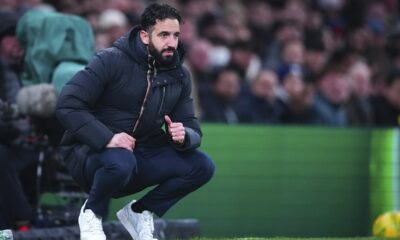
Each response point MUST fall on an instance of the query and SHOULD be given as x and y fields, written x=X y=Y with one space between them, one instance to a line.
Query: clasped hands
x=124 y=140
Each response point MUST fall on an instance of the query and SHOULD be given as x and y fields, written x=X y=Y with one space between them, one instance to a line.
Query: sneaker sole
x=123 y=217
x=91 y=237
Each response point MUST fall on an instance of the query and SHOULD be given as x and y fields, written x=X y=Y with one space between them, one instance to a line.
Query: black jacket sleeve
x=78 y=98
x=184 y=112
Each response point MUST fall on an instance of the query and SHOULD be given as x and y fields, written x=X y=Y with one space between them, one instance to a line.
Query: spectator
x=188 y=32
x=386 y=106
x=284 y=32
x=296 y=97
x=261 y=105
x=244 y=60
x=261 y=20
x=213 y=28
x=112 y=25
x=358 y=107
x=315 y=54
x=235 y=19
x=221 y=104
x=333 y=92
x=10 y=55
x=199 y=8
x=199 y=64
x=292 y=54
x=295 y=11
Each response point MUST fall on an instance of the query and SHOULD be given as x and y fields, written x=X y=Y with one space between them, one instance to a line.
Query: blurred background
x=313 y=62
x=300 y=101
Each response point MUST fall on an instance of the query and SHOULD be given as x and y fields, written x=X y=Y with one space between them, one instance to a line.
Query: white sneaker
x=90 y=225
x=139 y=225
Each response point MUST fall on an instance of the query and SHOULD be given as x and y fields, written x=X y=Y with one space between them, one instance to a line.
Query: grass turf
x=286 y=238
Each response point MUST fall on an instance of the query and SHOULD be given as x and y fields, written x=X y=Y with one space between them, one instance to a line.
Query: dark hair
x=157 y=11
x=338 y=62
x=217 y=73
x=8 y=23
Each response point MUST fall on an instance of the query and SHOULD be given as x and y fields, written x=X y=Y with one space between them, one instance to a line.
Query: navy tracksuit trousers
x=117 y=172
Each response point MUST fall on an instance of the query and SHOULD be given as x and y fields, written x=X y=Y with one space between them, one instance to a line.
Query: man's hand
x=122 y=140
x=176 y=130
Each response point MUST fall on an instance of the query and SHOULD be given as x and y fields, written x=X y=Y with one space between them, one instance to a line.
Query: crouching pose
x=114 y=112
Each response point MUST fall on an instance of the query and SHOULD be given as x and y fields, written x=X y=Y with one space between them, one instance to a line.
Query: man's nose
x=172 y=41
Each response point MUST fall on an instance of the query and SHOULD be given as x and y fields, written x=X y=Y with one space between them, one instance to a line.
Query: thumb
x=168 y=120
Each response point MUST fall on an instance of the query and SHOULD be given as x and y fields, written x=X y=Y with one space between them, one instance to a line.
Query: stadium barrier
x=292 y=181
x=163 y=229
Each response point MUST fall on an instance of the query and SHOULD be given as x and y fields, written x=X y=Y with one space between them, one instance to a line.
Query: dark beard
x=164 y=61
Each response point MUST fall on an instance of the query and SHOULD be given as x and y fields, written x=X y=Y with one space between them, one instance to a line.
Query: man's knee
x=205 y=166
x=120 y=163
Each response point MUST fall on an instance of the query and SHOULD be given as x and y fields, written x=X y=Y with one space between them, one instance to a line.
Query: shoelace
x=95 y=225
x=148 y=228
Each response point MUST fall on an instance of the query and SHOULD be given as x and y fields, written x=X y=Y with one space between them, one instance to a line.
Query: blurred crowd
x=299 y=62
x=315 y=62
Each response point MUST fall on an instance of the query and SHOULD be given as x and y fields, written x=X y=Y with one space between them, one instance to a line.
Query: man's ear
x=144 y=36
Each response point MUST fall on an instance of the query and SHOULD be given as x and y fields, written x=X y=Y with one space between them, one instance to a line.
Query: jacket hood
x=132 y=45
x=50 y=38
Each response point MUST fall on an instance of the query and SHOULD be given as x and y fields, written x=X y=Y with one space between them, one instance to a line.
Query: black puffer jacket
x=107 y=97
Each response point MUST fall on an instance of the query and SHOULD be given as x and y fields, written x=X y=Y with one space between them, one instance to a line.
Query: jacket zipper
x=149 y=85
